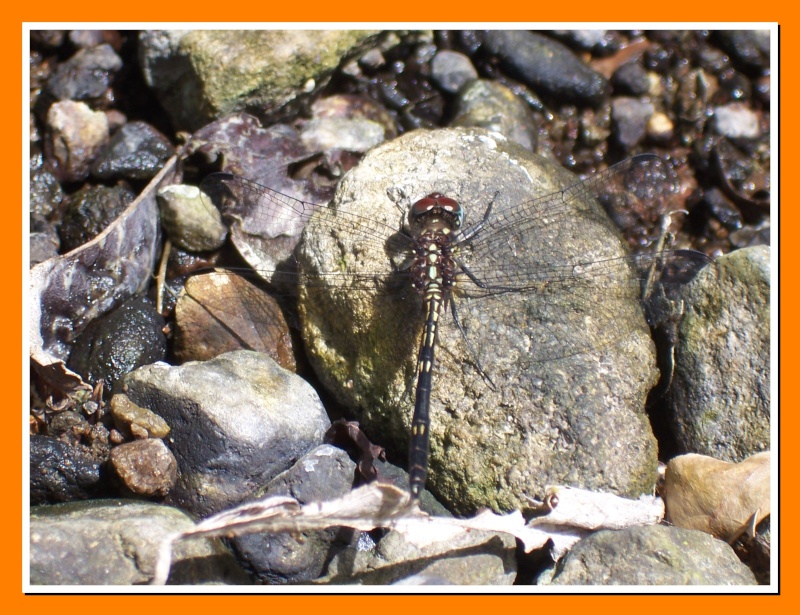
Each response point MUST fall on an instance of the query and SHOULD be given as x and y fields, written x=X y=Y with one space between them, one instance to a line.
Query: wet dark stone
x=136 y=151
x=90 y=211
x=631 y=79
x=749 y=49
x=62 y=472
x=722 y=208
x=46 y=193
x=86 y=76
x=734 y=86
x=547 y=66
x=48 y=38
x=112 y=346
x=599 y=42
x=44 y=240
x=323 y=474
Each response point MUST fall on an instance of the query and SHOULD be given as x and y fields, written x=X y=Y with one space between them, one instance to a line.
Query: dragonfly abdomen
x=433 y=274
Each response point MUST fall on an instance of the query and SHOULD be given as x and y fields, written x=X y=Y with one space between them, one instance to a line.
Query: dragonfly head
x=436 y=211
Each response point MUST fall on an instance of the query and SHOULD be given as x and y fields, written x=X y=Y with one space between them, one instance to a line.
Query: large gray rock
x=721 y=387
x=569 y=367
x=237 y=421
x=201 y=75
x=116 y=542
x=651 y=555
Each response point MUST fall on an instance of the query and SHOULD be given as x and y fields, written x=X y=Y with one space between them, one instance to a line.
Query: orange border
x=429 y=10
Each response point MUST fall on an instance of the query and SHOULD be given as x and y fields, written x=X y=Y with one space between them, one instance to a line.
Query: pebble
x=190 y=219
x=736 y=121
x=75 y=137
x=659 y=127
x=46 y=194
x=452 y=70
x=237 y=421
x=86 y=76
x=547 y=66
x=630 y=117
x=134 y=421
x=146 y=468
x=631 y=79
x=135 y=151
x=44 y=241
x=749 y=48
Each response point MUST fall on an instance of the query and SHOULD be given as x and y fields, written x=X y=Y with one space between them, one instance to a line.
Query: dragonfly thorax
x=435 y=212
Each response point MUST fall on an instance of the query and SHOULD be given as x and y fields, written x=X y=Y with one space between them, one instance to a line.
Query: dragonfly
x=431 y=265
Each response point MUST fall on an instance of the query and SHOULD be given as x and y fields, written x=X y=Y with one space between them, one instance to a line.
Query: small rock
x=75 y=136
x=116 y=542
x=659 y=127
x=44 y=241
x=111 y=346
x=237 y=422
x=631 y=79
x=136 y=151
x=126 y=415
x=86 y=76
x=190 y=218
x=491 y=105
x=630 y=116
x=651 y=555
x=736 y=121
x=146 y=467
x=46 y=193
x=90 y=211
x=720 y=391
x=547 y=66
x=452 y=70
